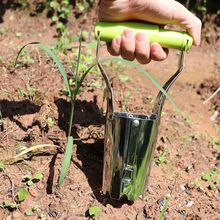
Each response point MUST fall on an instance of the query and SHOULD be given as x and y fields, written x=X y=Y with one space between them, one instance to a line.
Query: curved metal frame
x=130 y=141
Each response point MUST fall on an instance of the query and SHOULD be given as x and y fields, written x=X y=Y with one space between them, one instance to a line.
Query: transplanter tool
x=130 y=138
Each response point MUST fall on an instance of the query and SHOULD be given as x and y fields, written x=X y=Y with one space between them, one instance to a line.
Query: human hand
x=161 y=12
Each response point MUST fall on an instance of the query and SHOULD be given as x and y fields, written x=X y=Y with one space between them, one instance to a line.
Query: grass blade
x=53 y=57
x=58 y=63
x=19 y=52
x=66 y=161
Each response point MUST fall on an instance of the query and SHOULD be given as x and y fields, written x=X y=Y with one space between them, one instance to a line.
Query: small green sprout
x=94 y=211
x=18 y=34
x=9 y=205
x=197 y=183
x=3 y=30
x=22 y=195
x=124 y=78
x=30 y=180
x=29 y=213
x=2 y=167
x=162 y=158
x=50 y=122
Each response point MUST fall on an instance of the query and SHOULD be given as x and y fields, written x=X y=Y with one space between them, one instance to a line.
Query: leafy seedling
x=50 y=122
x=162 y=158
x=197 y=183
x=18 y=34
x=30 y=180
x=9 y=205
x=208 y=176
x=22 y=195
x=3 y=31
x=29 y=213
x=124 y=78
x=2 y=167
x=94 y=211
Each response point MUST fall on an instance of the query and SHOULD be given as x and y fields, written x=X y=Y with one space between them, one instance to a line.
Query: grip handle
x=166 y=38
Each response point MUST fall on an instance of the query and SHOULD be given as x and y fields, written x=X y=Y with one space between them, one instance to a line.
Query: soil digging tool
x=130 y=138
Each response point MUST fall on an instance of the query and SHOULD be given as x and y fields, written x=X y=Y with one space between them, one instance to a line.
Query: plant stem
x=72 y=114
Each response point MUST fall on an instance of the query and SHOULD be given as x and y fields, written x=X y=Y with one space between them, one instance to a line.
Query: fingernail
x=141 y=37
x=128 y=34
x=155 y=48
x=118 y=41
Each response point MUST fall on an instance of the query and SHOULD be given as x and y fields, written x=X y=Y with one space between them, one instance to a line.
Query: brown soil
x=31 y=95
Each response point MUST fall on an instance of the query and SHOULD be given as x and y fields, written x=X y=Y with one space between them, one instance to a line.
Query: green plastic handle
x=166 y=38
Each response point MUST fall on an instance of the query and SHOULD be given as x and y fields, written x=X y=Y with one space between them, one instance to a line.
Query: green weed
x=22 y=195
x=2 y=167
x=61 y=11
x=3 y=31
x=125 y=101
x=162 y=158
x=50 y=122
x=9 y=205
x=197 y=183
x=124 y=78
x=30 y=180
x=84 y=5
x=94 y=211
x=212 y=177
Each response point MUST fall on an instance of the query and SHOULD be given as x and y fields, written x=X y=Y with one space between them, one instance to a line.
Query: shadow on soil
x=7 y=4
x=9 y=109
x=91 y=155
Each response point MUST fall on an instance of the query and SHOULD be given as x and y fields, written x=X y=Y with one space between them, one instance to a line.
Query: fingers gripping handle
x=166 y=38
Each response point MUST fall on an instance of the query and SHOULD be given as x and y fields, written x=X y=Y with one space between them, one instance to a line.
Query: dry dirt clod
x=209 y=194
x=189 y=203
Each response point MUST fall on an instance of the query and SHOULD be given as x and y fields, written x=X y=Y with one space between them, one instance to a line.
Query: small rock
x=209 y=194
x=182 y=187
x=182 y=212
x=168 y=195
x=161 y=202
x=190 y=203
x=190 y=168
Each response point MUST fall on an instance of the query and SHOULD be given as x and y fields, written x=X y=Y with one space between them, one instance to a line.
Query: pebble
x=209 y=194
x=190 y=203
x=168 y=195
x=182 y=212
x=182 y=187
x=161 y=202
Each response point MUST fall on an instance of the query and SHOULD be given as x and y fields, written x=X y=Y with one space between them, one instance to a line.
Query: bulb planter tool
x=130 y=138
